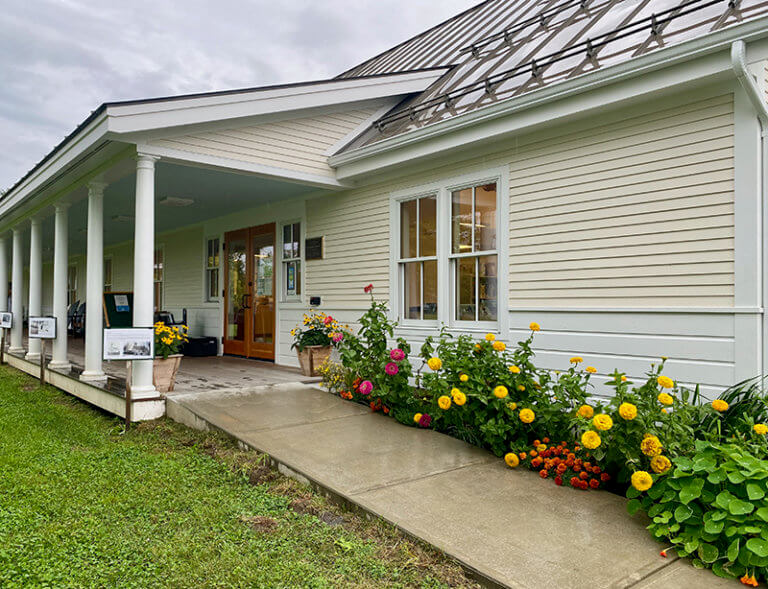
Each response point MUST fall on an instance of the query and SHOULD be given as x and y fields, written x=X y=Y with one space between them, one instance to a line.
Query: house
x=598 y=166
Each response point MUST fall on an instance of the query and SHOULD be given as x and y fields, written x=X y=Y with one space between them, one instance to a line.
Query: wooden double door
x=249 y=292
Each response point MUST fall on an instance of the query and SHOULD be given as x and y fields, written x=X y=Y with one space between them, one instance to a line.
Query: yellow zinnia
x=499 y=346
x=463 y=378
x=591 y=440
x=585 y=411
x=417 y=418
x=665 y=399
x=527 y=416
x=444 y=402
x=500 y=391
x=651 y=446
x=603 y=422
x=719 y=405
x=512 y=460
x=576 y=360
x=458 y=397
x=512 y=406
x=520 y=388
x=489 y=337
x=660 y=464
x=591 y=369
x=642 y=481
x=760 y=429
x=665 y=382
x=435 y=363
x=534 y=326
x=628 y=411
x=514 y=369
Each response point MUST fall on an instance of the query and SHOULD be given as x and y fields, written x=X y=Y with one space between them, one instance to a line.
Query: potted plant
x=168 y=342
x=313 y=340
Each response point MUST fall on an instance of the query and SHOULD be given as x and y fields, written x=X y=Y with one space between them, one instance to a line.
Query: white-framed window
x=449 y=250
x=159 y=277
x=417 y=263
x=212 y=272
x=291 y=260
x=71 y=284
x=108 y=284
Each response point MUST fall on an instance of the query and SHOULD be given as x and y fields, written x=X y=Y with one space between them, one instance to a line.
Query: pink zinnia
x=425 y=420
x=365 y=387
x=337 y=337
x=391 y=369
x=328 y=320
x=397 y=354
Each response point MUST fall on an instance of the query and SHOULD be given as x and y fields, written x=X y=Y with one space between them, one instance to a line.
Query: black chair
x=78 y=321
x=71 y=310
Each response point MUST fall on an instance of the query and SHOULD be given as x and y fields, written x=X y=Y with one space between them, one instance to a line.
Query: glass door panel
x=263 y=279
x=237 y=292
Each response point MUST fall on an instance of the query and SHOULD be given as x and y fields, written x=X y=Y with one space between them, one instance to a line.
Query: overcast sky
x=60 y=59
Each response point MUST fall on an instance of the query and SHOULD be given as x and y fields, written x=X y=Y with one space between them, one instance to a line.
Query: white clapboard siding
x=297 y=144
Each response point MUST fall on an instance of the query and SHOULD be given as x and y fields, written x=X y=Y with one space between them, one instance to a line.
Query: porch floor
x=510 y=527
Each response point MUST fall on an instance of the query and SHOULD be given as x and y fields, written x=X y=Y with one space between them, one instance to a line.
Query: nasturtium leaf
x=704 y=463
x=697 y=564
x=755 y=492
x=717 y=515
x=674 y=528
x=758 y=546
x=739 y=507
x=731 y=530
x=749 y=530
x=655 y=492
x=655 y=509
x=683 y=463
x=724 y=499
x=733 y=550
x=691 y=489
x=736 y=477
x=683 y=512
x=708 y=553
x=713 y=527
x=716 y=476
x=632 y=493
x=633 y=506
x=691 y=545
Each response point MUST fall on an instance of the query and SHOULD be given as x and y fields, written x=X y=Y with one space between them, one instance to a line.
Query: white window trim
x=446 y=295
x=111 y=258
x=217 y=299
x=282 y=295
x=161 y=247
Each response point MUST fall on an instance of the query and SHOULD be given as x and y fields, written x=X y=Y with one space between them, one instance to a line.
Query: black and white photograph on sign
x=137 y=343
x=6 y=320
x=42 y=327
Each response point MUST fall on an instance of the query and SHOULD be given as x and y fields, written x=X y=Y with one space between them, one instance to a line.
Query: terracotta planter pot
x=164 y=372
x=311 y=357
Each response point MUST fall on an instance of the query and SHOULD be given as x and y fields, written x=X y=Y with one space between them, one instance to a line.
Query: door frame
x=247 y=347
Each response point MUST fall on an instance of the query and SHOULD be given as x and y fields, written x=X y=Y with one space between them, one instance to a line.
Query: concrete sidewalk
x=509 y=527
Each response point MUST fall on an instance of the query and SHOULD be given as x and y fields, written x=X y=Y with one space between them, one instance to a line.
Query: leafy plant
x=169 y=339
x=317 y=329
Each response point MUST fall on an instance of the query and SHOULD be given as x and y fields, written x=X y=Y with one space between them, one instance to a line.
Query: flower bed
x=696 y=468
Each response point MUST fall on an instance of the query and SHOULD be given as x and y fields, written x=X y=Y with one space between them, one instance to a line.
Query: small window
x=292 y=260
x=474 y=254
x=213 y=250
x=159 y=278
x=71 y=285
x=418 y=258
x=108 y=274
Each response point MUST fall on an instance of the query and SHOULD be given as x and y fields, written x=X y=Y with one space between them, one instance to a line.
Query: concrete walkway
x=509 y=527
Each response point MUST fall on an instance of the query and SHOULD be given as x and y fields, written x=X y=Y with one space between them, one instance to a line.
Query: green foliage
x=169 y=339
x=712 y=507
x=316 y=329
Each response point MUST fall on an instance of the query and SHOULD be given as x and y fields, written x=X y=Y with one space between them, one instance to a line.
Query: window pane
x=461 y=221
x=216 y=251
x=298 y=277
x=413 y=290
x=288 y=242
x=488 y=309
x=158 y=265
x=213 y=284
x=428 y=226
x=430 y=289
x=292 y=279
x=465 y=289
x=297 y=240
x=485 y=218
x=408 y=229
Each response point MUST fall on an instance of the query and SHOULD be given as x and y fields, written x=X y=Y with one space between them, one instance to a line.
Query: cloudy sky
x=60 y=59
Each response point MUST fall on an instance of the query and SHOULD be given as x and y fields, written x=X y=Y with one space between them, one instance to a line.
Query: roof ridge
x=414 y=37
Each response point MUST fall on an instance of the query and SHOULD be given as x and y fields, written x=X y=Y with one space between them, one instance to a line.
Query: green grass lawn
x=83 y=505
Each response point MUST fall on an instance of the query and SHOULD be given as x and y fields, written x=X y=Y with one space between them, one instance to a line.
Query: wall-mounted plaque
x=313 y=248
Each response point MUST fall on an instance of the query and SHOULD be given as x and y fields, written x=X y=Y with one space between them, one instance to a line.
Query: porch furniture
x=201 y=347
x=78 y=321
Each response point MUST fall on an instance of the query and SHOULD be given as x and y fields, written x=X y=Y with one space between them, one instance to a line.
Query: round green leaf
x=758 y=546
x=683 y=512
x=739 y=507
x=733 y=550
x=762 y=513
x=708 y=553
x=633 y=506
x=713 y=527
x=755 y=492
x=724 y=499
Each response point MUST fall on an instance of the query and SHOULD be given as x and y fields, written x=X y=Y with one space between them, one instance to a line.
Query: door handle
x=243 y=303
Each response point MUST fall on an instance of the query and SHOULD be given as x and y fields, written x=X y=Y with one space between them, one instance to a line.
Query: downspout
x=758 y=100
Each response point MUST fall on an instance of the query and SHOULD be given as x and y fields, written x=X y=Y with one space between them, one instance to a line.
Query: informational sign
x=6 y=320
x=134 y=343
x=42 y=327
x=121 y=303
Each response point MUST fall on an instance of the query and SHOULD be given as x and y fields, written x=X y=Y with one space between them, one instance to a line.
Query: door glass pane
x=465 y=287
x=263 y=288
x=237 y=288
x=430 y=289
x=488 y=309
x=461 y=221
x=413 y=290
x=428 y=226
x=408 y=229
x=485 y=218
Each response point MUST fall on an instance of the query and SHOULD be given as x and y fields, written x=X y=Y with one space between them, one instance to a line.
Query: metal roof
x=504 y=48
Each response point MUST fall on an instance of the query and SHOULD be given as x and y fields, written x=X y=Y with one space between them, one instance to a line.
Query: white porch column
x=143 y=267
x=4 y=274
x=35 y=282
x=17 y=292
x=94 y=283
x=60 y=361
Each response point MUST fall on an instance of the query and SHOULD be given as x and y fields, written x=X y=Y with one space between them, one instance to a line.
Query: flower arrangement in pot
x=313 y=340
x=168 y=343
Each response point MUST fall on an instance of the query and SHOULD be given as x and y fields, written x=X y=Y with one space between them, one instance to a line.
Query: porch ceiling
x=215 y=194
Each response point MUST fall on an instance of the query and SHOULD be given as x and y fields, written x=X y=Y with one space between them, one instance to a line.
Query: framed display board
x=42 y=327
x=6 y=320
x=134 y=343
x=118 y=309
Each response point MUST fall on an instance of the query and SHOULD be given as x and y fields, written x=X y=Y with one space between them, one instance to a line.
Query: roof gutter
x=602 y=77
x=748 y=82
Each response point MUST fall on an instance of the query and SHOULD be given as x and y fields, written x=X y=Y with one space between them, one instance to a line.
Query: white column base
x=92 y=376
x=60 y=366
x=32 y=356
x=12 y=350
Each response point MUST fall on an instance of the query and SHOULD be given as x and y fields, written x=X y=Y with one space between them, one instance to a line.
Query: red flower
x=583 y=476
x=576 y=468
x=559 y=481
x=561 y=468
x=605 y=477
x=574 y=481
x=583 y=485
x=663 y=553
x=594 y=483
x=545 y=440
x=328 y=320
x=536 y=462
x=543 y=474
x=596 y=469
x=368 y=289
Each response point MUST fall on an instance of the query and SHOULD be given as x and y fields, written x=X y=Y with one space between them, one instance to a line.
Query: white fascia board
x=150 y=115
x=673 y=66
